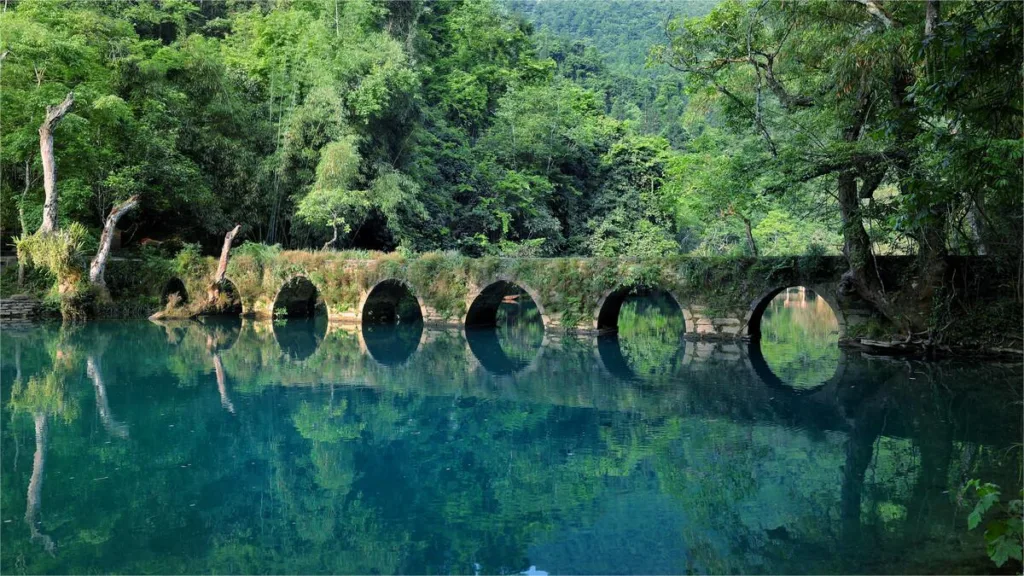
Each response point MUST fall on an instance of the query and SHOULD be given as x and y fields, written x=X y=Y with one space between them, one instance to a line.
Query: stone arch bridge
x=721 y=298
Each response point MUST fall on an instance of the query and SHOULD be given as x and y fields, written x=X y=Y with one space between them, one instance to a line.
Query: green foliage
x=59 y=252
x=189 y=261
x=1004 y=533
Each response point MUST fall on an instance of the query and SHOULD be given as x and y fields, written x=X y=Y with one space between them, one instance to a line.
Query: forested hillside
x=622 y=31
x=605 y=46
x=784 y=127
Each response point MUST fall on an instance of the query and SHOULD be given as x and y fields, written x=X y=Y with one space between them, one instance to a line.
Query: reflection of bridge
x=719 y=298
x=730 y=380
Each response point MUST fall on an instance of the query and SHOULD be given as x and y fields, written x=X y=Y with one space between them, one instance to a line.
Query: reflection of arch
x=761 y=303
x=485 y=345
x=764 y=372
x=613 y=362
x=390 y=301
x=391 y=345
x=483 y=311
x=299 y=338
x=299 y=298
x=174 y=286
x=609 y=355
x=606 y=318
x=226 y=299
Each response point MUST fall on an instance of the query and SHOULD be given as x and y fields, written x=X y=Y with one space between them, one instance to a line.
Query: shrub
x=60 y=252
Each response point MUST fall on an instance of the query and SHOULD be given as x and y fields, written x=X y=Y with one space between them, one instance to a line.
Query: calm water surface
x=295 y=447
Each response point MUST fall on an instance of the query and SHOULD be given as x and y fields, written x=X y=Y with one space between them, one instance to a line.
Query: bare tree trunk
x=111 y=425
x=213 y=293
x=976 y=222
x=333 y=238
x=222 y=266
x=21 y=219
x=99 y=263
x=931 y=18
x=750 y=237
x=54 y=114
x=35 y=485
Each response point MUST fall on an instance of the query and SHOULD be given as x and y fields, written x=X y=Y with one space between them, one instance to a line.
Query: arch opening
x=504 y=328
x=225 y=300
x=796 y=332
x=391 y=302
x=503 y=303
x=299 y=298
x=641 y=333
x=174 y=287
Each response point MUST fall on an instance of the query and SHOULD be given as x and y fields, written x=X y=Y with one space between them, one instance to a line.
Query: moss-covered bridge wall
x=720 y=297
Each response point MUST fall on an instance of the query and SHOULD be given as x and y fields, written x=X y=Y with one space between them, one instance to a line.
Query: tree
x=54 y=114
x=332 y=201
x=830 y=88
x=99 y=264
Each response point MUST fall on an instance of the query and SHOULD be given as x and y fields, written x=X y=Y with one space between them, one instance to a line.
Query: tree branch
x=874 y=8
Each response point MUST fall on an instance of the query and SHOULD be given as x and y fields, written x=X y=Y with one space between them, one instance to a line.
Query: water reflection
x=799 y=338
x=649 y=341
x=513 y=342
x=300 y=337
x=392 y=344
x=344 y=463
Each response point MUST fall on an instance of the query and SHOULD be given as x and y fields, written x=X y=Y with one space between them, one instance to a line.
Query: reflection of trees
x=650 y=335
x=35 y=485
x=799 y=338
x=338 y=464
x=43 y=395
x=111 y=425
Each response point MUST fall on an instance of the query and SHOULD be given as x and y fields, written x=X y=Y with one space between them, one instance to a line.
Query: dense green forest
x=604 y=46
x=760 y=128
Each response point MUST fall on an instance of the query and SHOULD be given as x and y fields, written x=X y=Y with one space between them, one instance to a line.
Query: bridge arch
x=606 y=314
x=174 y=286
x=760 y=304
x=299 y=297
x=390 y=301
x=484 y=302
x=227 y=300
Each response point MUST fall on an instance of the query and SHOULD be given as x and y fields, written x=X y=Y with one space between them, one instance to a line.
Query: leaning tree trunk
x=54 y=114
x=750 y=237
x=21 y=219
x=222 y=265
x=333 y=238
x=213 y=293
x=99 y=263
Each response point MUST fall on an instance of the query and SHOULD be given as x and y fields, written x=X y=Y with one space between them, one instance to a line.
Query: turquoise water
x=298 y=447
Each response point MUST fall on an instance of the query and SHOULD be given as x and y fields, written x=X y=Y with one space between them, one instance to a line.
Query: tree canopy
x=732 y=128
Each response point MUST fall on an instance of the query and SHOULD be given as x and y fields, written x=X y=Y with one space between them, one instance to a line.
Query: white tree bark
x=99 y=263
x=54 y=114
x=222 y=266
